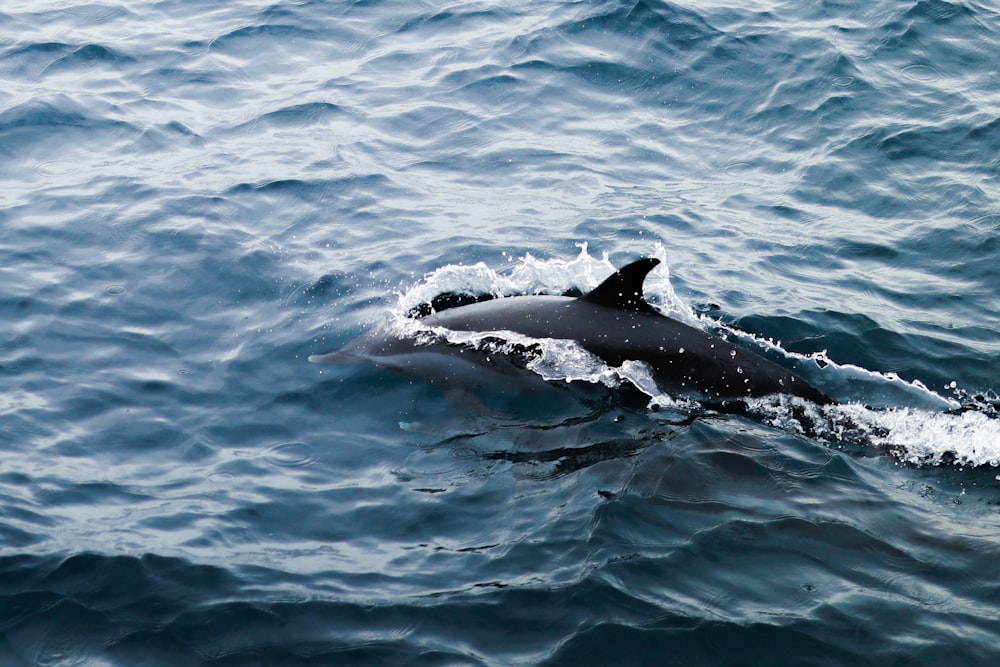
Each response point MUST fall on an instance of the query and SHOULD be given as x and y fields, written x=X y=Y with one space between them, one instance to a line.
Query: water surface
x=196 y=197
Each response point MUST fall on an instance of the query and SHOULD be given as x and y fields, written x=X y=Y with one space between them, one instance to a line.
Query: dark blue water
x=195 y=197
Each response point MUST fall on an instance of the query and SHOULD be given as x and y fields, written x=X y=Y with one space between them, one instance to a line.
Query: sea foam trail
x=918 y=436
x=885 y=411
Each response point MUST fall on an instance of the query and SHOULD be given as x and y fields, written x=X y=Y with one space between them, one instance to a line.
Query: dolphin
x=613 y=322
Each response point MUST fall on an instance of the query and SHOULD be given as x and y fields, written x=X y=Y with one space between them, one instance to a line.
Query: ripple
x=737 y=168
x=990 y=222
x=115 y=290
x=291 y=454
x=310 y=298
x=436 y=462
x=922 y=73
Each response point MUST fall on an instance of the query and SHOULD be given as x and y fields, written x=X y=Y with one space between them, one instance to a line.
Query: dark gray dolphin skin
x=613 y=322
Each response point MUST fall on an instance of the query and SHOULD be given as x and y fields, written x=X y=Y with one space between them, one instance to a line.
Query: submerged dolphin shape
x=613 y=322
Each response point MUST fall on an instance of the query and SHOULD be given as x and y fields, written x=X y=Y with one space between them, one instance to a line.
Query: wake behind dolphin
x=614 y=322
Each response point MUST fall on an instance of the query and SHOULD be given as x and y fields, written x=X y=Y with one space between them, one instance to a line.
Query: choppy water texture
x=198 y=196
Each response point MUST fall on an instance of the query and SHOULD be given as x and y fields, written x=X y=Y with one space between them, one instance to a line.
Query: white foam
x=914 y=435
x=920 y=436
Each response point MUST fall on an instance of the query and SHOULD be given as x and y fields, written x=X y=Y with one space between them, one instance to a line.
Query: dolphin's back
x=615 y=323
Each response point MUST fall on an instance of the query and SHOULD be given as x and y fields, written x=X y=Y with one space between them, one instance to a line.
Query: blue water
x=195 y=197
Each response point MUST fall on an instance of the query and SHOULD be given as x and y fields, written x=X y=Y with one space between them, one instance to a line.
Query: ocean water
x=195 y=197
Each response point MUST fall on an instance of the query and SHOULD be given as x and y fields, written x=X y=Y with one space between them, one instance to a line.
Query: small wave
x=37 y=115
x=87 y=56
x=253 y=37
x=29 y=60
x=299 y=115
x=45 y=127
x=664 y=22
x=312 y=188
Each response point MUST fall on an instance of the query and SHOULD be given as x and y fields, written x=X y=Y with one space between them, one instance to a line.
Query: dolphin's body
x=613 y=322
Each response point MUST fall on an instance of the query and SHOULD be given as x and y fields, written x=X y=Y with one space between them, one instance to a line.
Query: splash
x=920 y=437
x=931 y=429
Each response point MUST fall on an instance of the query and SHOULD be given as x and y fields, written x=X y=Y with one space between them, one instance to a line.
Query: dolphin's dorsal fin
x=623 y=288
